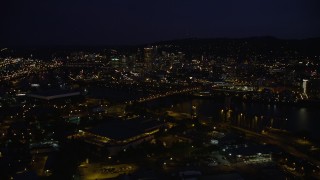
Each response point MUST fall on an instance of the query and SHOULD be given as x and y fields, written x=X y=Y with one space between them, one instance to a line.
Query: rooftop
x=53 y=94
x=123 y=129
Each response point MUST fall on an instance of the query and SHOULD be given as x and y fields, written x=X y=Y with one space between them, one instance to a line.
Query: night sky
x=115 y=22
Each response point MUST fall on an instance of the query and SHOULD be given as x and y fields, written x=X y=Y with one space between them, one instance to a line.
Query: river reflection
x=254 y=116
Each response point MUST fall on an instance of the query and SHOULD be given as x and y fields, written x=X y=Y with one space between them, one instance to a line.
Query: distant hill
x=248 y=46
x=266 y=46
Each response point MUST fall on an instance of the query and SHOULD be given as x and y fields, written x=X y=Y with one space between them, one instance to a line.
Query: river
x=251 y=115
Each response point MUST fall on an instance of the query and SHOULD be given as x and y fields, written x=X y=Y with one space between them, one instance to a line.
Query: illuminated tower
x=115 y=59
x=148 y=57
x=304 y=86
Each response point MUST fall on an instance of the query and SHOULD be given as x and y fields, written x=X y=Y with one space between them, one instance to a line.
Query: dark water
x=297 y=119
x=254 y=116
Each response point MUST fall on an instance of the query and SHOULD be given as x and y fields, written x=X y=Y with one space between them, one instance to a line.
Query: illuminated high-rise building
x=304 y=86
x=114 y=59
x=148 y=57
